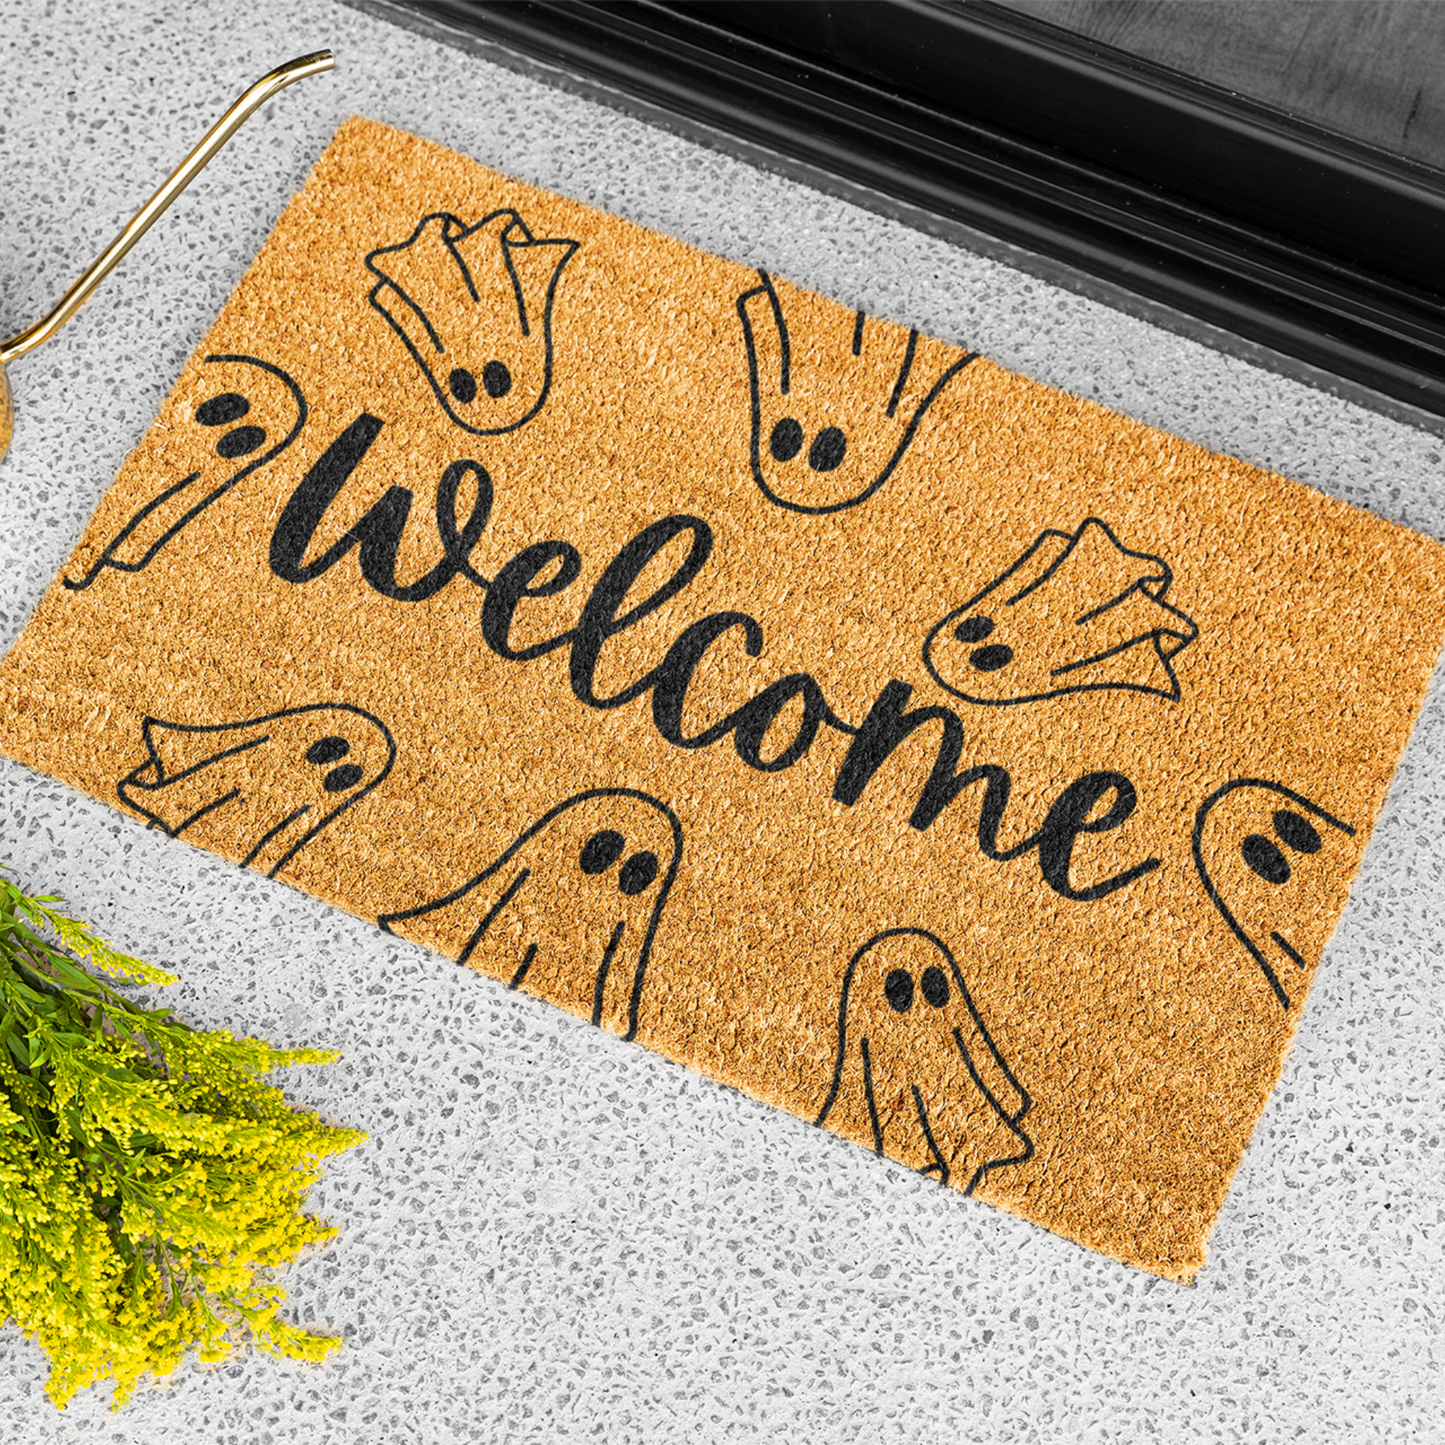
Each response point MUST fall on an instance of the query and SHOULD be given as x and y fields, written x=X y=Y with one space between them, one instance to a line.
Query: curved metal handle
x=179 y=179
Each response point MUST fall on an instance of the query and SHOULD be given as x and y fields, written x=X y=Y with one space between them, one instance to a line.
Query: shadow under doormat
x=947 y=760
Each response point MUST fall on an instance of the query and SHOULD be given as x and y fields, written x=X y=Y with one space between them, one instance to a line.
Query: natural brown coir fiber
x=949 y=761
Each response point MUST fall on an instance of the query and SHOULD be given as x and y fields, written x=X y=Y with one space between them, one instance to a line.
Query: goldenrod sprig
x=149 y=1178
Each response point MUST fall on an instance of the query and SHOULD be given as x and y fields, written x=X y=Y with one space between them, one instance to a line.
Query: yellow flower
x=149 y=1178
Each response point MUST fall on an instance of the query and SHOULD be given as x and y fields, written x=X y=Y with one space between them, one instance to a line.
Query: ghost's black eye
x=241 y=442
x=1264 y=859
x=934 y=986
x=601 y=851
x=828 y=449
x=786 y=441
x=327 y=750
x=898 y=990
x=973 y=629
x=1299 y=833
x=496 y=379
x=338 y=780
x=228 y=407
x=462 y=385
x=991 y=658
x=637 y=873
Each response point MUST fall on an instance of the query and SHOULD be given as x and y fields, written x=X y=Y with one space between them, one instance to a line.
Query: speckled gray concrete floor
x=554 y=1236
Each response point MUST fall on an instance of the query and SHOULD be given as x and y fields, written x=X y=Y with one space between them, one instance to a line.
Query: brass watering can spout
x=245 y=105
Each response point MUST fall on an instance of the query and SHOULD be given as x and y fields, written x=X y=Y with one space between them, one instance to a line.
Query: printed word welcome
x=1096 y=802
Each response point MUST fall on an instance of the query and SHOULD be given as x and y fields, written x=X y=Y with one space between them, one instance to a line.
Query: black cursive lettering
x=518 y=580
x=1069 y=817
x=545 y=569
x=378 y=534
x=600 y=619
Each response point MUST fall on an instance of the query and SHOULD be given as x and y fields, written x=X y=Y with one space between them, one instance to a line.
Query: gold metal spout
x=234 y=118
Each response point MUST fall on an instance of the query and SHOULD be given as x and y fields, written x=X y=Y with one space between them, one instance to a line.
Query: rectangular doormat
x=973 y=772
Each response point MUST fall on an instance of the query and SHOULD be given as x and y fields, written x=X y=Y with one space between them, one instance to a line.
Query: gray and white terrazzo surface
x=553 y=1236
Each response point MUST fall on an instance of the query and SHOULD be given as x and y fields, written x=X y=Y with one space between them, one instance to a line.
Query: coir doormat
x=972 y=772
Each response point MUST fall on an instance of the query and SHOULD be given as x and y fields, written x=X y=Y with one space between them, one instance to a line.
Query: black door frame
x=1304 y=242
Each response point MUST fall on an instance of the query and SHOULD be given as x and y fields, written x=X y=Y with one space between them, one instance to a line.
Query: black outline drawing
x=107 y=556
x=785 y=383
x=1152 y=587
x=1288 y=949
x=1010 y=1119
x=386 y=920
x=134 y=781
x=453 y=231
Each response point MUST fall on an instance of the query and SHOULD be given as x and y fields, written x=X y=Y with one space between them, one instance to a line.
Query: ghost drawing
x=836 y=397
x=1077 y=612
x=918 y=1075
x=570 y=909
x=473 y=306
x=259 y=790
x=1267 y=856
x=249 y=412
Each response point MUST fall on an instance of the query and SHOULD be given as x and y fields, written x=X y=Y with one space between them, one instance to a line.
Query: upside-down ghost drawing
x=261 y=789
x=570 y=909
x=1078 y=612
x=917 y=1072
x=473 y=305
x=251 y=412
x=836 y=398
x=1263 y=852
